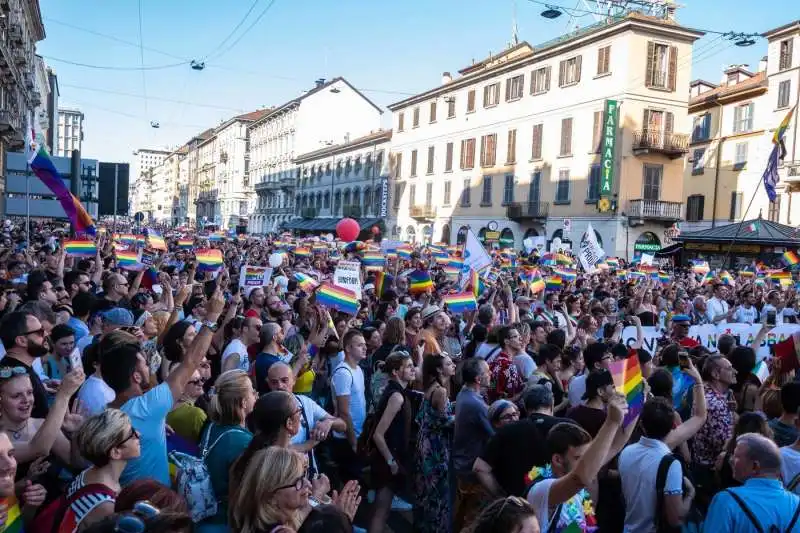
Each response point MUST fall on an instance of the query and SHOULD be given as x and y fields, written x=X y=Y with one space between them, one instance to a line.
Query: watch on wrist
x=213 y=326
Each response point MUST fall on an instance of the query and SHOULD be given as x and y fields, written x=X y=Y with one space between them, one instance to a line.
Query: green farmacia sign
x=609 y=146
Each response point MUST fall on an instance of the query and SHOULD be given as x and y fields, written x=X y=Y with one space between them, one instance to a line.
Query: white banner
x=708 y=334
x=254 y=276
x=590 y=250
x=348 y=275
x=475 y=255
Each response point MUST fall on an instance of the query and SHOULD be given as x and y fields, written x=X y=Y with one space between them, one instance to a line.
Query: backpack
x=662 y=526
x=772 y=528
x=193 y=480
x=64 y=514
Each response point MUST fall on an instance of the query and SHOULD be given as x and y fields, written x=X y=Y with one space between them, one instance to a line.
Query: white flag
x=590 y=250
x=475 y=255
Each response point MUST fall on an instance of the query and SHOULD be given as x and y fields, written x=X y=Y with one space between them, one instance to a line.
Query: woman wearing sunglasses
x=186 y=418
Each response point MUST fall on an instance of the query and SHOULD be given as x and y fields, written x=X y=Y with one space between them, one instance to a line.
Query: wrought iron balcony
x=527 y=210
x=287 y=183
x=309 y=212
x=655 y=210
x=351 y=211
x=271 y=185
x=672 y=145
x=423 y=212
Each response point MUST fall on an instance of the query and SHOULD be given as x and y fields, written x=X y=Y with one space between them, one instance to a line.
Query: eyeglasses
x=132 y=435
x=298 y=483
x=39 y=331
x=133 y=522
x=7 y=371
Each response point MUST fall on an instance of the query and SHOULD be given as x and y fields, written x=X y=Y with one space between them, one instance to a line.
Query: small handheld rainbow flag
x=306 y=282
x=185 y=244
x=126 y=238
x=339 y=298
x=700 y=267
x=209 y=259
x=553 y=284
x=477 y=284
x=627 y=377
x=373 y=259
x=778 y=275
x=461 y=302
x=791 y=258
x=451 y=272
x=216 y=237
x=13 y=522
x=613 y=262
x=664 y=278
x=302 y=252
x=80 y=248
x=537 y=285
x=419 y=281
x=383 y=282
x=567 y=274
x=128 y=260
x=726 y=278
x=404 y=253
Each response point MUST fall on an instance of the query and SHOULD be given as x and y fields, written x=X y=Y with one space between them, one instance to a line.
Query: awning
x=324 y=224
x=672 y=249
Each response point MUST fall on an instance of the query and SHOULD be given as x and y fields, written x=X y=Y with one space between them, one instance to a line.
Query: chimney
x=762 y=65
x=320 y=82
x=446 y=78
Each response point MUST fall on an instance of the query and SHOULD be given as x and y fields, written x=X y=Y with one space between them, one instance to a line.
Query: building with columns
x=540 y=141
x=331 y=113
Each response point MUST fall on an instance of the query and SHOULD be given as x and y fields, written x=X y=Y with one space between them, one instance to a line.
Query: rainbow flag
x=791 y=258
x=45 y=170
x=451 y=272
x=306 y=282
x=782 y=127
x=404 y=253
x=216 y=237
x=461 y=302
x=156 y=241
x=126 y=238
x=778 y=275
x=664 y=278
x=128 y=260
x=628 y=380
x=613 y=262
x=185 y=244
x=319 y=248
x=567 y=274
x=456 y=262
x=700 y=267
x=355 y=246
x=252 y=276
x=383 y=282
x=80 y=248
x=552 y=284
x=373 y=259
x=339 y=298
x=440 y=257
x=141 y=240
x=622 y=275
x=537 y=285
x=708 y=277
x=726 y=278
x=209 y=259
x=746 y=273
x=478 y=286
x=419 y=281
x=302 y=252
x=13 y=522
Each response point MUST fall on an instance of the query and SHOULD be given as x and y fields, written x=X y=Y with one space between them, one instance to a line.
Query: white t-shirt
x=576 y=390
x=347 y=381
x=486 y=350
x=236 y=346
x=525 y=365
x=571 y=510
x=94 y=395
x=715 y=307
x=746 y=316
x=790 y=467
x=312 y=413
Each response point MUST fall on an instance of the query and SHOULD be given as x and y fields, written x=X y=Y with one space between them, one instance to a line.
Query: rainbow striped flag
x=319 y=248
x=127 y=238
x=156 y=241
x=208 y=259
x=404 y=253
x=14 y=517
x=302 y=252
x=419 y=281
x=185 y=244
x=780 y=131
x=306 y=282
x=252 y=276
x=613 y=262
x=439 y=256
x=383 y=282
x=140 y=241
x=216 y=237
x=664 y=278
x=622 y=275
x=460 y=303
x=455 y=262
x=80 y=248
x=791 y=258
x=628 y=380
x=451 y=272
x=372 y=259
x=567 y=274
x=128 y=260
x=339 y=298
x=538 y=284
x=746 y=273
x=552 y=284
x=726 y=278
x=355 y=246
x=700 y=267
x=778 y=275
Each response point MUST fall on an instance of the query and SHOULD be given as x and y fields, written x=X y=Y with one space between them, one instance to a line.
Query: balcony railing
x=673 y=145
x=267 y=186
x=287 y=183
x=351 y=211
x=527 y=210
x=655 y=210
x=281 y=210
x=423 y=212
x=309 y=212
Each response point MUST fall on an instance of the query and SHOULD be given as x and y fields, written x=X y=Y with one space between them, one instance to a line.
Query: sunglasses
x=7 y=371
x=134 y=522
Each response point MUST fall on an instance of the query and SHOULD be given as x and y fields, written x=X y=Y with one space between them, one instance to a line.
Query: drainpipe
x=716 y=170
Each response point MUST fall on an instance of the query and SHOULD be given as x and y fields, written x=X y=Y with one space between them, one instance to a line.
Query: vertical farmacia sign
x=610 y=118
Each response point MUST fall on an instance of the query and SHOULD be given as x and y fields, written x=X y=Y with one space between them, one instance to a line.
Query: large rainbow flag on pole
x=43 y=167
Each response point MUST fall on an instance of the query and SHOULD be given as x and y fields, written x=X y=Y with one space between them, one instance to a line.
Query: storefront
x=646 y=243
x=507 y=238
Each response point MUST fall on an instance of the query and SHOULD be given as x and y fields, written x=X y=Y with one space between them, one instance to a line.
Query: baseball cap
x=596 y=380
x=117 y=316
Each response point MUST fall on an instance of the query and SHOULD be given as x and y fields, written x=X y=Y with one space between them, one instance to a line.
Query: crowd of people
x=176 y=397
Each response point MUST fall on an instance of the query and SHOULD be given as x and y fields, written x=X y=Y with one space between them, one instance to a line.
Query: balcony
x=351 y=211
x=15 y=32
x=36 y=97
x=268 y=186
x=287 y=183
x=655 y=210
x=672 y=145
x=6 y=123
x=281 y=210
x=527 y=210
x=309 y=212
x=423 y=212
x=19 y=55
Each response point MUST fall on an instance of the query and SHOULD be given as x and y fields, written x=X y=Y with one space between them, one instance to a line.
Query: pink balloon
x=347 y=229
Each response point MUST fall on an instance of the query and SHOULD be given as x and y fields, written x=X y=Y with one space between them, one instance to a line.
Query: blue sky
x=385 y=47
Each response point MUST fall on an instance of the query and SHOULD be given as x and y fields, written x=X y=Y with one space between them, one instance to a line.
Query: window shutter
x=547 y=79
x=578 y=61
x=737 y=118
x=598 y=128
x=732 y=215
x=646 y=121
x=562 y=68
x=508 y=89
x=789 y=54
x=701 y=207
x=673 y=68
x=651 y=64
x=669 y=120
x=536 y=148
x=566 y=136
x=485 y=96
x=600 y=53
x=607 y=59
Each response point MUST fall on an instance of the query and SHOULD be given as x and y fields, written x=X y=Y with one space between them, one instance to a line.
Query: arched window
x=532 y=232
x=327 y=200
x=507 y=238
x=446 y=234
x=461 y=236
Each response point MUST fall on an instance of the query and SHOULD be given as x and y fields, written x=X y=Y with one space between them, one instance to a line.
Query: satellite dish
x=154 y=124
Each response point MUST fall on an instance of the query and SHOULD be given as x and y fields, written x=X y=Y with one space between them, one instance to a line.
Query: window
x=743 y=118
x=540 y=80
x=413 y=163
x=398 y=165
x=471 y=101
x=448 y=158
x=465 y=193
x=656 y=125
x=428 y=194
x=398 y=192
x=694 y=207
x=508 y=189
x=733 y=78
x=451 y=106
x=534 y=190
x=401 y=121
x=412 y=195
x=662 y=66
x=491 y=95
x=514 y=87
x=467 y=154
x=652 y=182
x=536 y=143
x=488 y=150
x=486 y=194
x=566 y=137
x=415 y=118
x=511 y=148
x=604 y=60
x=430 y=160
x=447 y=186
x=774 y=211
x=562 y=187
x=785 y=59
x=698 y=161
x=593 y=189
x=741 y=156
x=569 y=71
x=736 y=205
x=701 y=130
x=784 y=88
x=597 y=132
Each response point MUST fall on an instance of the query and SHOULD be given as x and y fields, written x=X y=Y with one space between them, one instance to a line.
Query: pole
x=28 y=207
x=739 y=226
x=116 y=184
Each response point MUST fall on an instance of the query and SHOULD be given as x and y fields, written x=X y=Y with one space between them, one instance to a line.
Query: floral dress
x=577 y=513
x=432 y=512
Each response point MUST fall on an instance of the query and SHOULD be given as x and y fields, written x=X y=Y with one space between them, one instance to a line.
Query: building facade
x=165 y=197
x=512 y=146
x=20 y=29
x=141 y=184
x=783 y=80
x=331 y=113
x=340 y=181
x=70 y=131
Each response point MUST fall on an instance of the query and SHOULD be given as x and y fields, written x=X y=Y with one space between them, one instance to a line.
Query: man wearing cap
x=680 y=331
x=599 y=390
x=524 y=306
x=111 y=320
x=595 y=356
x=435 y=323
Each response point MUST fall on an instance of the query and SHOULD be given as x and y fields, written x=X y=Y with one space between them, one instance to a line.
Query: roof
x=758 y=81
x=254 y=115
x=318 y=88
x=325 y=224
x=514 y=52
x=794 y=25
x=702 y=82
x=767 y=232
x=367 y=140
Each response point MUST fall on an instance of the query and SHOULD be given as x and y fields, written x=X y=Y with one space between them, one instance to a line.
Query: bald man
x=315 y=422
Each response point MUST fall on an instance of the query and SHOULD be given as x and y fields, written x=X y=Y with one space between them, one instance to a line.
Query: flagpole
x=27 y=205
x=741 y=222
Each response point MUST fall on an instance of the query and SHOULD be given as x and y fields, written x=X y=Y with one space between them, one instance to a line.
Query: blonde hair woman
x=226 y=438
x=274 y=493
